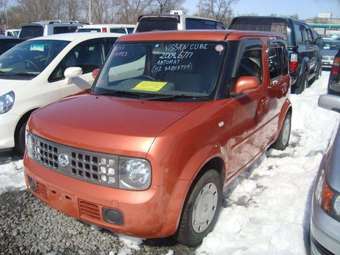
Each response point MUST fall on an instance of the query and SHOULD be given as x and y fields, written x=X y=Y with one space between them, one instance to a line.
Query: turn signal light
x=293 y=63
x=327 y=198
x=336 y=67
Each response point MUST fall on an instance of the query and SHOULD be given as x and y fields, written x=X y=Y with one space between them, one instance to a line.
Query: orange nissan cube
x=172 y=118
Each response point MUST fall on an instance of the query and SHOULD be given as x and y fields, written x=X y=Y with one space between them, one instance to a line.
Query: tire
x=208 y=184
x=302 y=84
x=282 y=141
x=319 y=73
x=20 y=139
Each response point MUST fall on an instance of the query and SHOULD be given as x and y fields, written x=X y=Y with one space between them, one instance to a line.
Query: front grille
x=89 y=210
x=94 y=167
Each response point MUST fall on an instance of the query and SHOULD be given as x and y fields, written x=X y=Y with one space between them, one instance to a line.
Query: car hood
x=12 y=85
x=108 y=124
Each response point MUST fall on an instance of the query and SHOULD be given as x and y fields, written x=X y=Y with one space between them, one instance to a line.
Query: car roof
x=77 y=36
x=107 y=25
x=198 y=35
x=269 y=17
x=174 y=16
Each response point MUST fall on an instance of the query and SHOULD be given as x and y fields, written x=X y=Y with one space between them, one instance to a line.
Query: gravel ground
x=28 y=226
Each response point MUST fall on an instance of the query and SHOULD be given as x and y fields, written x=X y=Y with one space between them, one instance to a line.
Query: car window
x=191 y=23
x=157 y=23
x=65 y=29
x=278 y=62
x=85 y=30
x=118 y=30
x=251 y=63
x=130 y=30
x=163 y=68
x=298 y=34
x=108 y=43
x=31 y=31
x=29 y=58
x=87 y=55
x=305 y=37
x=7 y=44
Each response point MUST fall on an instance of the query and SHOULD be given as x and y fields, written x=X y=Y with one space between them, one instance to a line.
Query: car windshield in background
x=331 y=45
x=157 y=23
x=29 y=58
x=85 y=30
x=31 y=31
x=162 y=70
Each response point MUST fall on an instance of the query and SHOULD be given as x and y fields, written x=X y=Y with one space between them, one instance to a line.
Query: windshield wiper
x=174 y=97
x=121 y=93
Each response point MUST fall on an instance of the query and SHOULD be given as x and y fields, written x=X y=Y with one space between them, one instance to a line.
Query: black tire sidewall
x=186 y=234
x=279 y=145
x=20 y=139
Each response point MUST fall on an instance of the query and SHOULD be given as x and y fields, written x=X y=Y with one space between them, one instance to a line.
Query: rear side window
x=191 y=23
x=86 y=30
x=161 y=23
x=118 y=30
x=251 y=63
x=278 y=62
x=63 y=30
x=31 y=31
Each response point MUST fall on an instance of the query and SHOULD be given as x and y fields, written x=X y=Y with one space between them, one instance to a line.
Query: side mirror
x=330 y=102
x=72 y=72
x=246 y=84
x=95 y=73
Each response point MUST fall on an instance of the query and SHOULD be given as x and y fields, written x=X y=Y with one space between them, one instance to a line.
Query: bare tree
x=164 y=6
x=217 y=9
x=128 y=11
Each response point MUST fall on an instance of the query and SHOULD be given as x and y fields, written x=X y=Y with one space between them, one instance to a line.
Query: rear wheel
x=282 y=141
x=201 y=209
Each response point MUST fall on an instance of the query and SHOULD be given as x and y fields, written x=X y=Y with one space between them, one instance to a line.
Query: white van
x=108 y=28
x=176 y=20
x=43 y=28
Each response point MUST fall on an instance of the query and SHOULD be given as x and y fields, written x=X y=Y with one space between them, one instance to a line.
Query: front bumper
x=325 y=234
x=142 y=211
x=8 y=124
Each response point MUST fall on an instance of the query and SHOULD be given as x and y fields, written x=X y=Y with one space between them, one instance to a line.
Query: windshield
x=29 y=58
x=176 y=69
x=331 y=44
x=31 y=31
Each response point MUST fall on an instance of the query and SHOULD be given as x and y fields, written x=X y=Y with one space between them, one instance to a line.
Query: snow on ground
x=11 y=176
x=268 y=210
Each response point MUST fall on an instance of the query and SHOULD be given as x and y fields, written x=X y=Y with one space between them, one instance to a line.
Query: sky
x=304 y=8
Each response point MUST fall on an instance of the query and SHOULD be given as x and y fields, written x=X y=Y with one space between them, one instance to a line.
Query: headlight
x=7 y=102
x=29 y=144
x=328 y=199
x=134 y=173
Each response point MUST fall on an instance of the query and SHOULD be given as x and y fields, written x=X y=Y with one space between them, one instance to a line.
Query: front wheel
x=302 y=84
x=282 y=141
x=201 y=209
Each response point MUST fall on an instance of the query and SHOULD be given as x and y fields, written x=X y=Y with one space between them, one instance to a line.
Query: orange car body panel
x=178 y=139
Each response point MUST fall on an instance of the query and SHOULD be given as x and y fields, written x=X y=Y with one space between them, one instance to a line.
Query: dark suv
x=302 y=41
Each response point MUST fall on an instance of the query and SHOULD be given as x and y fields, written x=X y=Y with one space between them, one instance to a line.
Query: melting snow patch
x=130 y=244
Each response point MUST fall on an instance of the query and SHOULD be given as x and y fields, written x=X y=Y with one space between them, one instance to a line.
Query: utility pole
x=90 y=11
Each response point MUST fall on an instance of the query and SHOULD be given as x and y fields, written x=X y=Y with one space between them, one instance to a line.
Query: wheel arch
x=22 y=120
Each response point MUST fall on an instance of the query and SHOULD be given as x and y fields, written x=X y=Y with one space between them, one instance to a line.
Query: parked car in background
x=304 y=53
x=8 y=42
x=108 y=28
x=334 y=77
x=175 y=21
x=325 y=216
x=328 y=52
x=12 y=32
x=43 y=28
x=172 y=118
x=42 y=70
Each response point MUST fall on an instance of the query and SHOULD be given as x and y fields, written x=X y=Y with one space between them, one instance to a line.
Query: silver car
x=325 y=217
